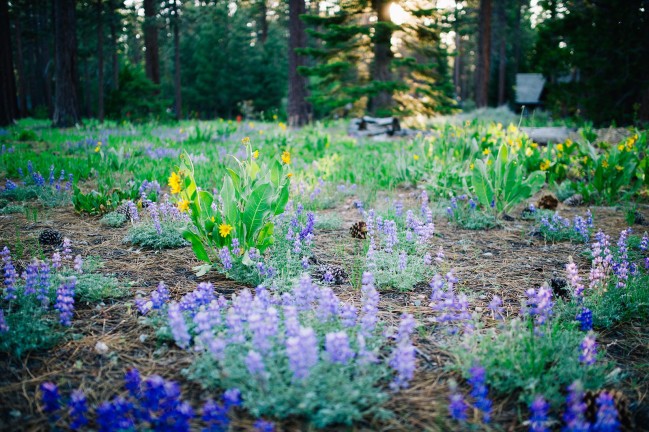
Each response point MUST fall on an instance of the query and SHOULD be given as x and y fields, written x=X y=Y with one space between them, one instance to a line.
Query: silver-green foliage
x=113 y=220
x=147 y=236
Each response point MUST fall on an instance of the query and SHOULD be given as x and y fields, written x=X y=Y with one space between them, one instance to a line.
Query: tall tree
x=298 y=108
x=8 y=104
x=382 y=102
x=100 y=61
x=152 y=55
x=65 y=104
x=483 y=67
x=114 y=20
x=177 y=88
x=263 y=21
x=502 y=48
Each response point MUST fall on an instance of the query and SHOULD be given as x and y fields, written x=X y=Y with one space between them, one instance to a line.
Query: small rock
x=487 y=254
x=574 y=201
x=417 y=302
x=143 y=338
x=101 y=348
x=15 y=413
x=479 y=309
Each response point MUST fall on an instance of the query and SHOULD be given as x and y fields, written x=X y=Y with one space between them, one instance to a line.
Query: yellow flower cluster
x=286 y=157
x=545 y=164
x=225 y=229
x=183 y=205
x=174 y=183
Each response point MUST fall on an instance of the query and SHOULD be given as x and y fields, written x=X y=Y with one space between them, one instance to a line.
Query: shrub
x=558 y=228
x=113 y=220
x=162 y=229
x=302 y=354
x=464 y=211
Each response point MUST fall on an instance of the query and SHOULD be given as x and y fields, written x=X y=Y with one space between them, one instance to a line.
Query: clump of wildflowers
x=607 y=415
x=588 y=350
x=65 y=301
x=539 y=409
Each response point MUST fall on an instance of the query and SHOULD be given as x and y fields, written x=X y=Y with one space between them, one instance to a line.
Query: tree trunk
x=484 y=55
x=263 y=20
x=113 y=39
x=8 y=103
x=100 y=62
x=382 y=101
x=87 y=107
x=502 y=54
x=20 y=71
x=457 y=64
x=65 y=104
x=151 y=41
x=177 y=85
x=298 y=109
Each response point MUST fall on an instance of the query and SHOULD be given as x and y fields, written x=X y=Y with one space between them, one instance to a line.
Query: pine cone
x=560 y=287
x=548 y=202
x=359 y=230
x=574 y=201
x=50 y=237
x=639 y=218
x=331 y=273
x=621 y=405
x=125 y=210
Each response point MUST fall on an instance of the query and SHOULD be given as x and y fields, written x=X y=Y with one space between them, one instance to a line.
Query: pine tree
x=8 y=106
x=66 y=112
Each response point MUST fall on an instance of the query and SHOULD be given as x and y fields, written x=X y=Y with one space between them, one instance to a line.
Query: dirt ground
x=504 y=261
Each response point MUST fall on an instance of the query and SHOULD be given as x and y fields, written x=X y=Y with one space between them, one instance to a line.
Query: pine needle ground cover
x=218 y=286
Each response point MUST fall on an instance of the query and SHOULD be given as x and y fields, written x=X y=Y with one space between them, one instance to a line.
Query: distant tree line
x=172 y=59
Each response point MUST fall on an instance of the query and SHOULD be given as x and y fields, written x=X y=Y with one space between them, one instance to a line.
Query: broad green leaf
x=197 y=245
x=230 y=208
x=257 y=208
x=282 y=199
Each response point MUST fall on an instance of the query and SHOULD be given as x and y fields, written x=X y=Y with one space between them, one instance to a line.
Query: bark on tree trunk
x=65 y=106
x=113 y=38
x=502 y=55
x=20 y=71
x=177 y=87
x=484 y=55
x=382 y=101
x=298 y=109
x=457 y=64
x=100 y=62
x=151 y=41
x=8 y=103
x=263 y=20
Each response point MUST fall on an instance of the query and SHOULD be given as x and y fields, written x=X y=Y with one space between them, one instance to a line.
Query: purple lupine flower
x=78 y=264
x=308 y=228
x=9 y=185
x=607 y=415
x=390 y=231
x=539 y=409
x=479 y=391
x=234 y=325
x=424 y=202
x=398 y=208
x=50 y=397
x=56 y=260
x=457 y=407
x=302 y=352
x=255 y=364
x=574 y=280
x=133 y=213
x=496 y=308
x=10 y=275
x=67 y=249
x=3 y=323
x=585 y=318
x=538 y=305
x=154 y=212
x=328 y=304
x=65 y=301
x=575 y=410
x=304 y=292
x=160 y=296
x=403 y=261
x=226 y=258
x=44 y=283
x=51 y=176
x=439 y=257
x=337 y=347
x=588 y=350
x=215 y=416
x=370 y=303
x=403 y=356
x=132 y=382
x=644 y=243
x=428 y=259
x=115 y=415
x=31 y=277
x=178 y=326
x=348 y=314
x=77 y=408
x=232 y=398
x=264 y=426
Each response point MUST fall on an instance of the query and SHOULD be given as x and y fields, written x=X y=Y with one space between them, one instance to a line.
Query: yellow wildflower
x=245 y=141
x=568 y=143
x=261 y=132
x=255 y=154
x=560 y=147
x=512 y=128
x=289 y=175
x=472 y=166
x=181 y=131
x=559 y=155
x=213 y=219
x=534 y=145
x=489 y=162
x=620 y=147
x=485 y=151
x=584 y=159
x=225 y=229
x=528 y=152
x=415 y=157
x=174 y=183
x=98 y=147
x=183 y=205
x=251 y=125
x=282 y=126
x=274 y=116
x=286 y=157
x=619 y=168
x=545 y=165
x=605 y=164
